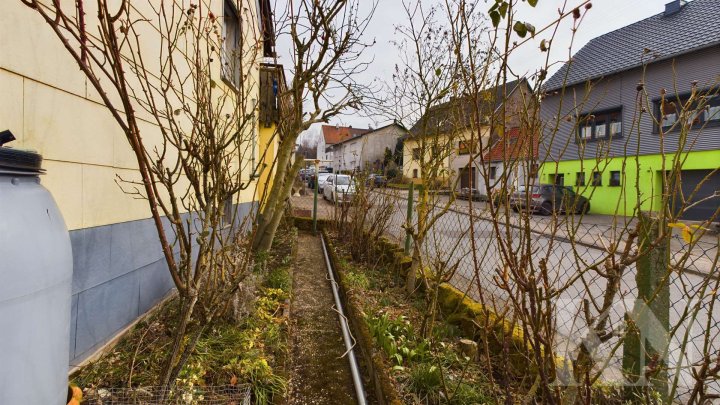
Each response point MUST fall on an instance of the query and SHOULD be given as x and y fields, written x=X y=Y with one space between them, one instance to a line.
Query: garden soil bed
x=231 y=357
x=409 y=368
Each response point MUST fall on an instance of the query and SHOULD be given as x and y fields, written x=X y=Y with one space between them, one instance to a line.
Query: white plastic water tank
x=35 y=286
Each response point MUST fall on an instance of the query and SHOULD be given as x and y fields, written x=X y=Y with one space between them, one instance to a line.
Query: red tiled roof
x=512 y=146
x=334 y=134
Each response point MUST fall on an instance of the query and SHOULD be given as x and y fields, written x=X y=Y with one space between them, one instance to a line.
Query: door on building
x=467 y=177
x=704 y=210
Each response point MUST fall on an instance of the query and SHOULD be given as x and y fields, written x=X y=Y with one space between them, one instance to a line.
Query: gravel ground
x=318 y=375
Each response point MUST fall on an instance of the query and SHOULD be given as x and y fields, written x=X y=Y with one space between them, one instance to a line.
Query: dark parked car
x=376 y=180
x=467 y=193
x=547 y=199
x=312 y=177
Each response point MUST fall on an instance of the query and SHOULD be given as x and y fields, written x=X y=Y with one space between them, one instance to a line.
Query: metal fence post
x=408 y=237
x=646 y=342
x=315 y=183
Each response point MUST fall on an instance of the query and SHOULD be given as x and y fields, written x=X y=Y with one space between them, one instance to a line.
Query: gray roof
x=457 y=113
x=694 y=27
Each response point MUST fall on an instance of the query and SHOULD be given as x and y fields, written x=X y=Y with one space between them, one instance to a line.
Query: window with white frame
x=601 y=125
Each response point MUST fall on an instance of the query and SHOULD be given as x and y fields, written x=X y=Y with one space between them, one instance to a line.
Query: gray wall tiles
x=155 y=283
x=104 y=310
x=73 y=325
x=620 y=90
x=119 y=274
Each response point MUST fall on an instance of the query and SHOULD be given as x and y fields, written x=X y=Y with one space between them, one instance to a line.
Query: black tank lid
x=18 y=160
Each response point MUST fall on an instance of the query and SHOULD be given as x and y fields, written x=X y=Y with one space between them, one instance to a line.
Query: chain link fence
x=467 y=238
x=477 y=248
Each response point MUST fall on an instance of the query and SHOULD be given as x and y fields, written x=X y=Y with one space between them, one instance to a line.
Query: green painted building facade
x=611 y=119
x=622 y=185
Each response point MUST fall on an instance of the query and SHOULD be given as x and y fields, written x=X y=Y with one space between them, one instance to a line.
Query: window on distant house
x=415 y=173
x=230 y=57
x=416 y=153
x=615 y=178
x=601 y=125
x=493 y=172
x=559 y=179
x=597 y=179
x=706 y=110
x=580 y=179
x=463 y=148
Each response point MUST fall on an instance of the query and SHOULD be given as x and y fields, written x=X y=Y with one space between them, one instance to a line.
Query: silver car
x=339 y=188
x=547 y=199
x=322 y=180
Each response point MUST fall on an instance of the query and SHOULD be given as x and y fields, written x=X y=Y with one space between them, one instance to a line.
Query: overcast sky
x=603 y=17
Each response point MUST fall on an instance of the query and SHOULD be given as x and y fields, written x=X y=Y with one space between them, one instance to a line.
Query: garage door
x=690 y=180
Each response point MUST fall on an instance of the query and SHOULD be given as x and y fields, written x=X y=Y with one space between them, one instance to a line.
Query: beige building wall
x=452 y=160
x=50 y=107
x=119 y=268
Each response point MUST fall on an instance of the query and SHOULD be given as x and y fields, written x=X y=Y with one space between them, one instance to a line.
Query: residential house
x=598 y=139
x=510 y=163
x=332 y=134
x=366 y=151
x=47 y=103
x=447 y=132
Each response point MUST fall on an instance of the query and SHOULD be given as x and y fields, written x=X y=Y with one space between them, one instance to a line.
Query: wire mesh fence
x=197 y=395
x=577 y=255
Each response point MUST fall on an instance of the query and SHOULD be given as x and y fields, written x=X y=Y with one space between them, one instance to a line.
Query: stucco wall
x=119 y=270
x=364 y=151
x=377 y=141
x=453 y=161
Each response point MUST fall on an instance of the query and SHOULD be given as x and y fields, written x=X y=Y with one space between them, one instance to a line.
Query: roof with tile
x=513 y=145
x=372 y=130
x=334 y=133
x=655 y=38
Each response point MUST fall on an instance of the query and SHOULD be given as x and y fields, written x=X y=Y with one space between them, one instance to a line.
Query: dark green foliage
x=397 y=339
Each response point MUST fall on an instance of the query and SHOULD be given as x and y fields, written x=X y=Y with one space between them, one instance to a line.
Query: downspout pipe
x=354 y=370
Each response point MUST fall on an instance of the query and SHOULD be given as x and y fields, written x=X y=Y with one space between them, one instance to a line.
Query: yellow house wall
x=268 y=142
x=451 y=162
x=50 y=107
